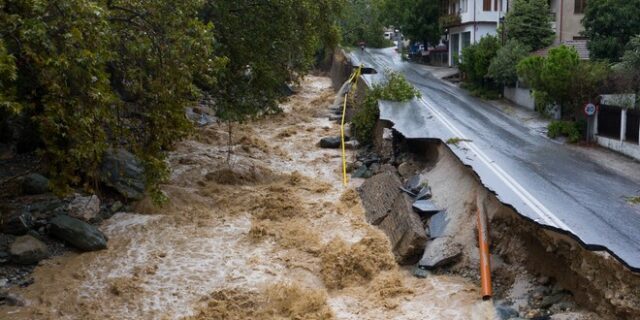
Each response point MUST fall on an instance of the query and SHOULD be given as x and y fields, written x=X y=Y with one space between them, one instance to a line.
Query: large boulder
x=28 y=250
x=85 y=208
x=122 y=171
x=331 y=142
x=405 y=231
x=78 y=233
x=35 y=183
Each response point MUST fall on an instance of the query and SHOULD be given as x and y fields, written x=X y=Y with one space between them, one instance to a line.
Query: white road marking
x=521 y=192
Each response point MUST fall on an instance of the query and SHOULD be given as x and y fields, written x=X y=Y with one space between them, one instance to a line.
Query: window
x=466 y=39
x=463 y=6
x=486 y=6
x=580 y=6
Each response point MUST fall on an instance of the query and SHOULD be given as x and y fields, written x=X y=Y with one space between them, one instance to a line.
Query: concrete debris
x=407 y=191
x=405 y=231
x=414 y=184
x=378 y=195
x=438 y=225
x=440 y=252
x=426 y=207
x=28 y=250
x=424 y=194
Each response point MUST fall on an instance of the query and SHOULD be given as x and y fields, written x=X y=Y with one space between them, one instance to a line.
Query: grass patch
x=455 y=141
x=569 y=129
x=635 y=200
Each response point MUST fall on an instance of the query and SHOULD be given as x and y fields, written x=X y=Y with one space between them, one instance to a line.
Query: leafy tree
x=61 y=50
x=476 y=59
x=418 y=20
x=362 y=20
x=562 y=78
x=627 y=71
x=269 y=44
x=609 y=24
x=529 y=22
x=503 y=66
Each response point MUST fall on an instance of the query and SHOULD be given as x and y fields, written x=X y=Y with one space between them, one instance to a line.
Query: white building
x=467 y=21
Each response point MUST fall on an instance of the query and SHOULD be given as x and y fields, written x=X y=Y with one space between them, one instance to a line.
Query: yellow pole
x=353 y=79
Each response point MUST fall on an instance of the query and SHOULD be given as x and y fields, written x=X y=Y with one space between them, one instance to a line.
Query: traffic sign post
x=590 y=111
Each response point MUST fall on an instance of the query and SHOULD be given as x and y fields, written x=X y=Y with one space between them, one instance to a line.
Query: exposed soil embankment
x=535 y=270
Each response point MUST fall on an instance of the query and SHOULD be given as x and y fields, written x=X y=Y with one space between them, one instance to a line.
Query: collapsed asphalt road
x=543 y=180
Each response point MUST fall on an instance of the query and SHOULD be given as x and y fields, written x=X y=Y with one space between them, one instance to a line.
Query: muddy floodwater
x=273 y=235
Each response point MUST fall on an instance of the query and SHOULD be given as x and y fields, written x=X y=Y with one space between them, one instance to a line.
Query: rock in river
x=331 y=142
x=28 y=250
x=78 y=233
x=122 y=171
x=85 y=208
x=35 y=184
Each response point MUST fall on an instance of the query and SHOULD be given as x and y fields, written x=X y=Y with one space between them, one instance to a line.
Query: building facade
x=567 y=19
x=467 y=21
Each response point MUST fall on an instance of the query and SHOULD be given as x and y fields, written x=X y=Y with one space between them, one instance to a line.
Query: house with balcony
x=467 y=21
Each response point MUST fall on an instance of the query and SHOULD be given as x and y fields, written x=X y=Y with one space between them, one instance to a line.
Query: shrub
x=476 y=59
x=395 y=88
x=568 y=129
x=503 y=66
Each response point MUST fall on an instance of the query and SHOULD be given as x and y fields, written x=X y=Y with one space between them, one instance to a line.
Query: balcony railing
x=449 y=20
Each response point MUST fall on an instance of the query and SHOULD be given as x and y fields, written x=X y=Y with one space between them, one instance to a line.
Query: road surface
x=540 y=178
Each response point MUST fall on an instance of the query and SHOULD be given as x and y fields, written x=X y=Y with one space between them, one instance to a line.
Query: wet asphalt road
x=542 y=179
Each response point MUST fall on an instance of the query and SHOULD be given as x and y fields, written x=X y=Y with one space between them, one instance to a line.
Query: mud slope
x=275 y=235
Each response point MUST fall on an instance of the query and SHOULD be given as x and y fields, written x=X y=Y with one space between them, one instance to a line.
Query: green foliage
x=395 y=88
x=475 y=61
x=361 y=20
x=627 y=71
x=418 y=20
x=562 y=78
x=609 y=24
x=568 y=129
x=503 y=66
x=90 y=75
x=529 y=22
x=268 y=44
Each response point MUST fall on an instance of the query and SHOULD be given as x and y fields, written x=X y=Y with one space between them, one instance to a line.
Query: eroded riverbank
x=276 y=236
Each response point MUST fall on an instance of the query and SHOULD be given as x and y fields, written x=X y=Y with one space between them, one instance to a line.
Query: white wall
x=480 y=30
x=520 y=96
x=630 y=149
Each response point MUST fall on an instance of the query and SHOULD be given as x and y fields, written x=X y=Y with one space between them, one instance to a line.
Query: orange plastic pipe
x=485 y=257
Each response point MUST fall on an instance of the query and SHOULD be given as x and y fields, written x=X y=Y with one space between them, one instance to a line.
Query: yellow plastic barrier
x=353 y=79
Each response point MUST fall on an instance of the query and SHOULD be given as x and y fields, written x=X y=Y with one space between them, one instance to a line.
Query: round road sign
x=590 y=109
